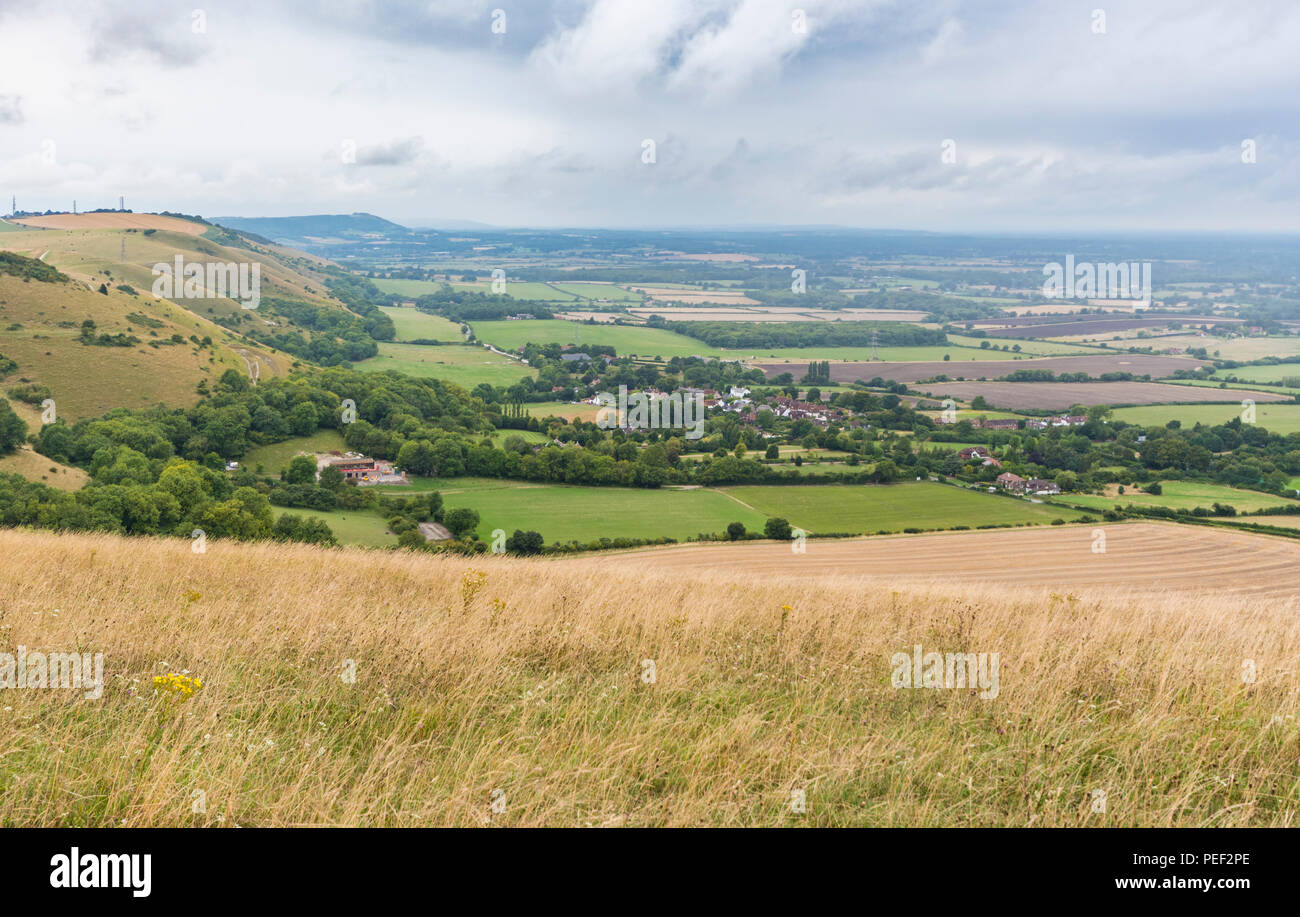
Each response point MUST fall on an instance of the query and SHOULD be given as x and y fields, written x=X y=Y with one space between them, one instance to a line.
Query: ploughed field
x=1058 y=396
x=1137 y=364
x=1145 y=557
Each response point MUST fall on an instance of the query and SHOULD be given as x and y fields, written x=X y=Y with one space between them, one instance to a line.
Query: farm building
x=360 y=468
x=974 y=452
x=1041 y=486
x=1012 y=482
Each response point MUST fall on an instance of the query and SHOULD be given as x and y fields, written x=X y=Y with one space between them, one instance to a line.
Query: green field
x=1185 y=495
x=599 y=291
x=625 y=339
x=893 y=507
x=465 y=365
x=277 y=455
x=531 y=290
x=1272 y=373
x=1034 y=348
x=539 y=409
x=414 y=325
x=6 y=226
x=564 y=513
x=412 y=288
x=1276 y=418
x=358 y=527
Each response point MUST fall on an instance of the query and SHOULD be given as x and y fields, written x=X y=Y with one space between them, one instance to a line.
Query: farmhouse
x=1001 y=424
x=1012 y=482
x=359 y=468
x=974 y=452
x=1041 y=486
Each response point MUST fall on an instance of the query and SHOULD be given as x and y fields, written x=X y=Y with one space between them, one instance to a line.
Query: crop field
x=1181 y=495
x=1243 y=349
x=1277 y=418
x=1140 y=558
x=564 y=513
x=892 y=507
x=414 y=325
x=625 y=339
x=1138 y=364
x=598 y=291
x=404 y=287
x=1057 y=396
x=278 y=455
x=465 y=365
x=114 y=221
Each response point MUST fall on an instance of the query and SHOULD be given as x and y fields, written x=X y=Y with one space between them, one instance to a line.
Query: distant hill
x=320 y=226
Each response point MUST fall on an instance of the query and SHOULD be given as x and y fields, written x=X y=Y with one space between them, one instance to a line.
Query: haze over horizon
x=421 y=112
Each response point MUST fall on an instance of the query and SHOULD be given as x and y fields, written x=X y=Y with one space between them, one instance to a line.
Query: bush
x=777 y=529
x=736 y=531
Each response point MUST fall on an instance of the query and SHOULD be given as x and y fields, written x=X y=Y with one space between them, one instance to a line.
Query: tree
x=777 y=529
x=302 y=470
x=460 y=522
x=736 y=531
x=525 y=543
x=331 y=478
x=773 y=453
x=12 y=428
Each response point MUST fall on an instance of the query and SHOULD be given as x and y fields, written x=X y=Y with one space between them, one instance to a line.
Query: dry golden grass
x=526 y=677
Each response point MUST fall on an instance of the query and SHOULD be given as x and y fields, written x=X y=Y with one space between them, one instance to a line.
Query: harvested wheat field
x=495 y=691
x=113 y=221
x=1140 y=558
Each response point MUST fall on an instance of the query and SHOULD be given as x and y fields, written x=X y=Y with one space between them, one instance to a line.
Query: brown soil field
x=113 y=221
x=1141 y=557
x=1138 y=364
x=1057 y=396
x=722 y=297
x=1033 y=327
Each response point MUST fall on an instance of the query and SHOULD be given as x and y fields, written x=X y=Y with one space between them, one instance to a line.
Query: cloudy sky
x=1054 y=114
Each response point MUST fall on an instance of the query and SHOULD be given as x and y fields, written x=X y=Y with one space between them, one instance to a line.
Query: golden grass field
x=113 y=221
x=525 y=683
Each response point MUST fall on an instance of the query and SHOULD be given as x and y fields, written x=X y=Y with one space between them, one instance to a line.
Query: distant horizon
x=444 y=224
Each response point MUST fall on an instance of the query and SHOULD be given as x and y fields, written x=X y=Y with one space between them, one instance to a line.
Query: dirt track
x=1139 y=557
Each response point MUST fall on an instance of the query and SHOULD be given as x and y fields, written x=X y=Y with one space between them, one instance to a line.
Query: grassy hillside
x=529 y=684
x=40 y=329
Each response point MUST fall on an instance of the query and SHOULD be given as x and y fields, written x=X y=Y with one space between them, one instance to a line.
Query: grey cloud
x=11 y=109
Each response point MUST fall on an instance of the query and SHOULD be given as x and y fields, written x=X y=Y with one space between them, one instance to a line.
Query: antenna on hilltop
x=121 y=203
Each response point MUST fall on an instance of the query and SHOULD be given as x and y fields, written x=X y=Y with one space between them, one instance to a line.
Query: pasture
x=1276 y=418
x=565 y=513
x=414 y=325
x=465 y=365
x=277 y=456
x=1181 y=495
x=892 y=507
x=625 y=339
